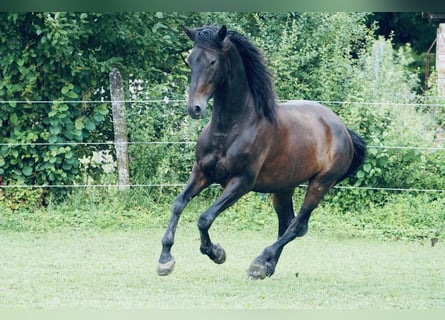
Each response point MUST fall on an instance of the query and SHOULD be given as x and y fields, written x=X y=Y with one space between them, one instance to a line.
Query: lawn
x=105 y=269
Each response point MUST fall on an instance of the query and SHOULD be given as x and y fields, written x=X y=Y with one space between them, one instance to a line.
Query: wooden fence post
x=120 y=129
x=440 y=59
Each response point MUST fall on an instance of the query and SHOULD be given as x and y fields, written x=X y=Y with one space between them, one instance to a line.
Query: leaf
x=68 y=155
x=55 y=130
x=78 y=124
x=102 y=109
x=367 y=167
x=14 y=119
x=72 y=95
x=90 y=126
x=98 y=117
x=157 y=26
x=66 y=166
x=63 y=107
x=65 y=90
x=373 y=151
x=27 y=171
x=52 y=113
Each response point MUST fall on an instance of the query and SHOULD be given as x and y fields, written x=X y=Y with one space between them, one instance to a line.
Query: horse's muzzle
x=197 y=107
x=195 y=111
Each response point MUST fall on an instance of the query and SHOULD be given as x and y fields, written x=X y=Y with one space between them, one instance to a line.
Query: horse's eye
x=185 y=60
x=212 y=62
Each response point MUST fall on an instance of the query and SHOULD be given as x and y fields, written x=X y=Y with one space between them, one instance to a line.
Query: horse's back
x=312 y=117
x=313 y=108
x=309 y=139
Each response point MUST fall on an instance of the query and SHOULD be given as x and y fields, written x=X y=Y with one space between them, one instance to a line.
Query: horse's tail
x=359 y=154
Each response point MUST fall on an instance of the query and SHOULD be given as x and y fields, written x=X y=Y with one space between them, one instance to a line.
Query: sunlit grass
x=103 y=269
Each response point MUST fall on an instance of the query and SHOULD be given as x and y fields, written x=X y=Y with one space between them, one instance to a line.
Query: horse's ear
x=189 y=32
x=222 y=33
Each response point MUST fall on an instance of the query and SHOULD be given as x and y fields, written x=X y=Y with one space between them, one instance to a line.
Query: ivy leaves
x=60 y=62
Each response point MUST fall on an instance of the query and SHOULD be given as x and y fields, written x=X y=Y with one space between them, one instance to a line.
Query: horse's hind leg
x=264 y=265
x=282 y=203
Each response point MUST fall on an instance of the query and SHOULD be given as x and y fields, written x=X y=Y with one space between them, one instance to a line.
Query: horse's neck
x=230 y=109
x=232 y=102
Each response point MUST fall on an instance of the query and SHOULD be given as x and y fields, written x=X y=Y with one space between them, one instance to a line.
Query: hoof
x=220 y=254
x=257 y=272
x=164 y=269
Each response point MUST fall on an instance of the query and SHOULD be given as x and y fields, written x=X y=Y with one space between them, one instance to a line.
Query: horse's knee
x=178 y=205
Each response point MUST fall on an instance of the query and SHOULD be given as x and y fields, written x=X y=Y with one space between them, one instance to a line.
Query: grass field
x=104 y=269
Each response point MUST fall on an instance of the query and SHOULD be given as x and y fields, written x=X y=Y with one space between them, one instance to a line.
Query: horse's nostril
x=195 y=110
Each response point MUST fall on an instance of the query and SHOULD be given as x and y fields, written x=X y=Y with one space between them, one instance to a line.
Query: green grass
x=112 y=269
x=99 y=250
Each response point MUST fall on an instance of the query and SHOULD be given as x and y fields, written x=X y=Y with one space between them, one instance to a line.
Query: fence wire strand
x=17 y=144
x=168 y=100
x=182 y=185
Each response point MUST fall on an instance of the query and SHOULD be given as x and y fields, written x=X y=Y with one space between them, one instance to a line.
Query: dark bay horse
x=251 y=143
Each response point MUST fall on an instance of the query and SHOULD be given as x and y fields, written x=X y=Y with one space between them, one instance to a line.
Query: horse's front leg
x=234 y=190
x=197 y=182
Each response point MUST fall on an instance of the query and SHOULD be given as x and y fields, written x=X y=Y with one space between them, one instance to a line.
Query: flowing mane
x=258 y=75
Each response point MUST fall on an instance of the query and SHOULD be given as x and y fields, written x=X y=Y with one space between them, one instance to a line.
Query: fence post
x=120 y=129
x=440 y=59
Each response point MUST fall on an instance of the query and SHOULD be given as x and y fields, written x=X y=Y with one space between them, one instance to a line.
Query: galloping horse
x=251 y=143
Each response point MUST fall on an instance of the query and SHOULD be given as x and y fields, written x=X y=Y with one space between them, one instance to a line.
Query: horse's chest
x=215 y=167
x=223 y=157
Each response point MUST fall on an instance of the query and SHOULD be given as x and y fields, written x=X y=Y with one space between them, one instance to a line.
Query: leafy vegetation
x=62 y=61
x=402 y=216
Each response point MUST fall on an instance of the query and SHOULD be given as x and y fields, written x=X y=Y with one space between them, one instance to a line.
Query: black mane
x=258 y=75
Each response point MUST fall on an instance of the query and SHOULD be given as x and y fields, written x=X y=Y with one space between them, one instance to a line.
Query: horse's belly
x=279 y=185
x=286 y=175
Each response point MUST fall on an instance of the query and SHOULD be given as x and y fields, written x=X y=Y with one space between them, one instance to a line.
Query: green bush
x=62 y=61
x=384 y=110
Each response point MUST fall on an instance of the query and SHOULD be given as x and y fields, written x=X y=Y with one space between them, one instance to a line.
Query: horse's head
x=207 y=65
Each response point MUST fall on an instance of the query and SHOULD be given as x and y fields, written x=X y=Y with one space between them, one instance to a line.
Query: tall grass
x=405 y=216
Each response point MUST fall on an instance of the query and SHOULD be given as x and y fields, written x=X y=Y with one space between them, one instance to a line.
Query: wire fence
x=432 y=102
x=181 y=185
x=111 y=143
x=428 y=101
